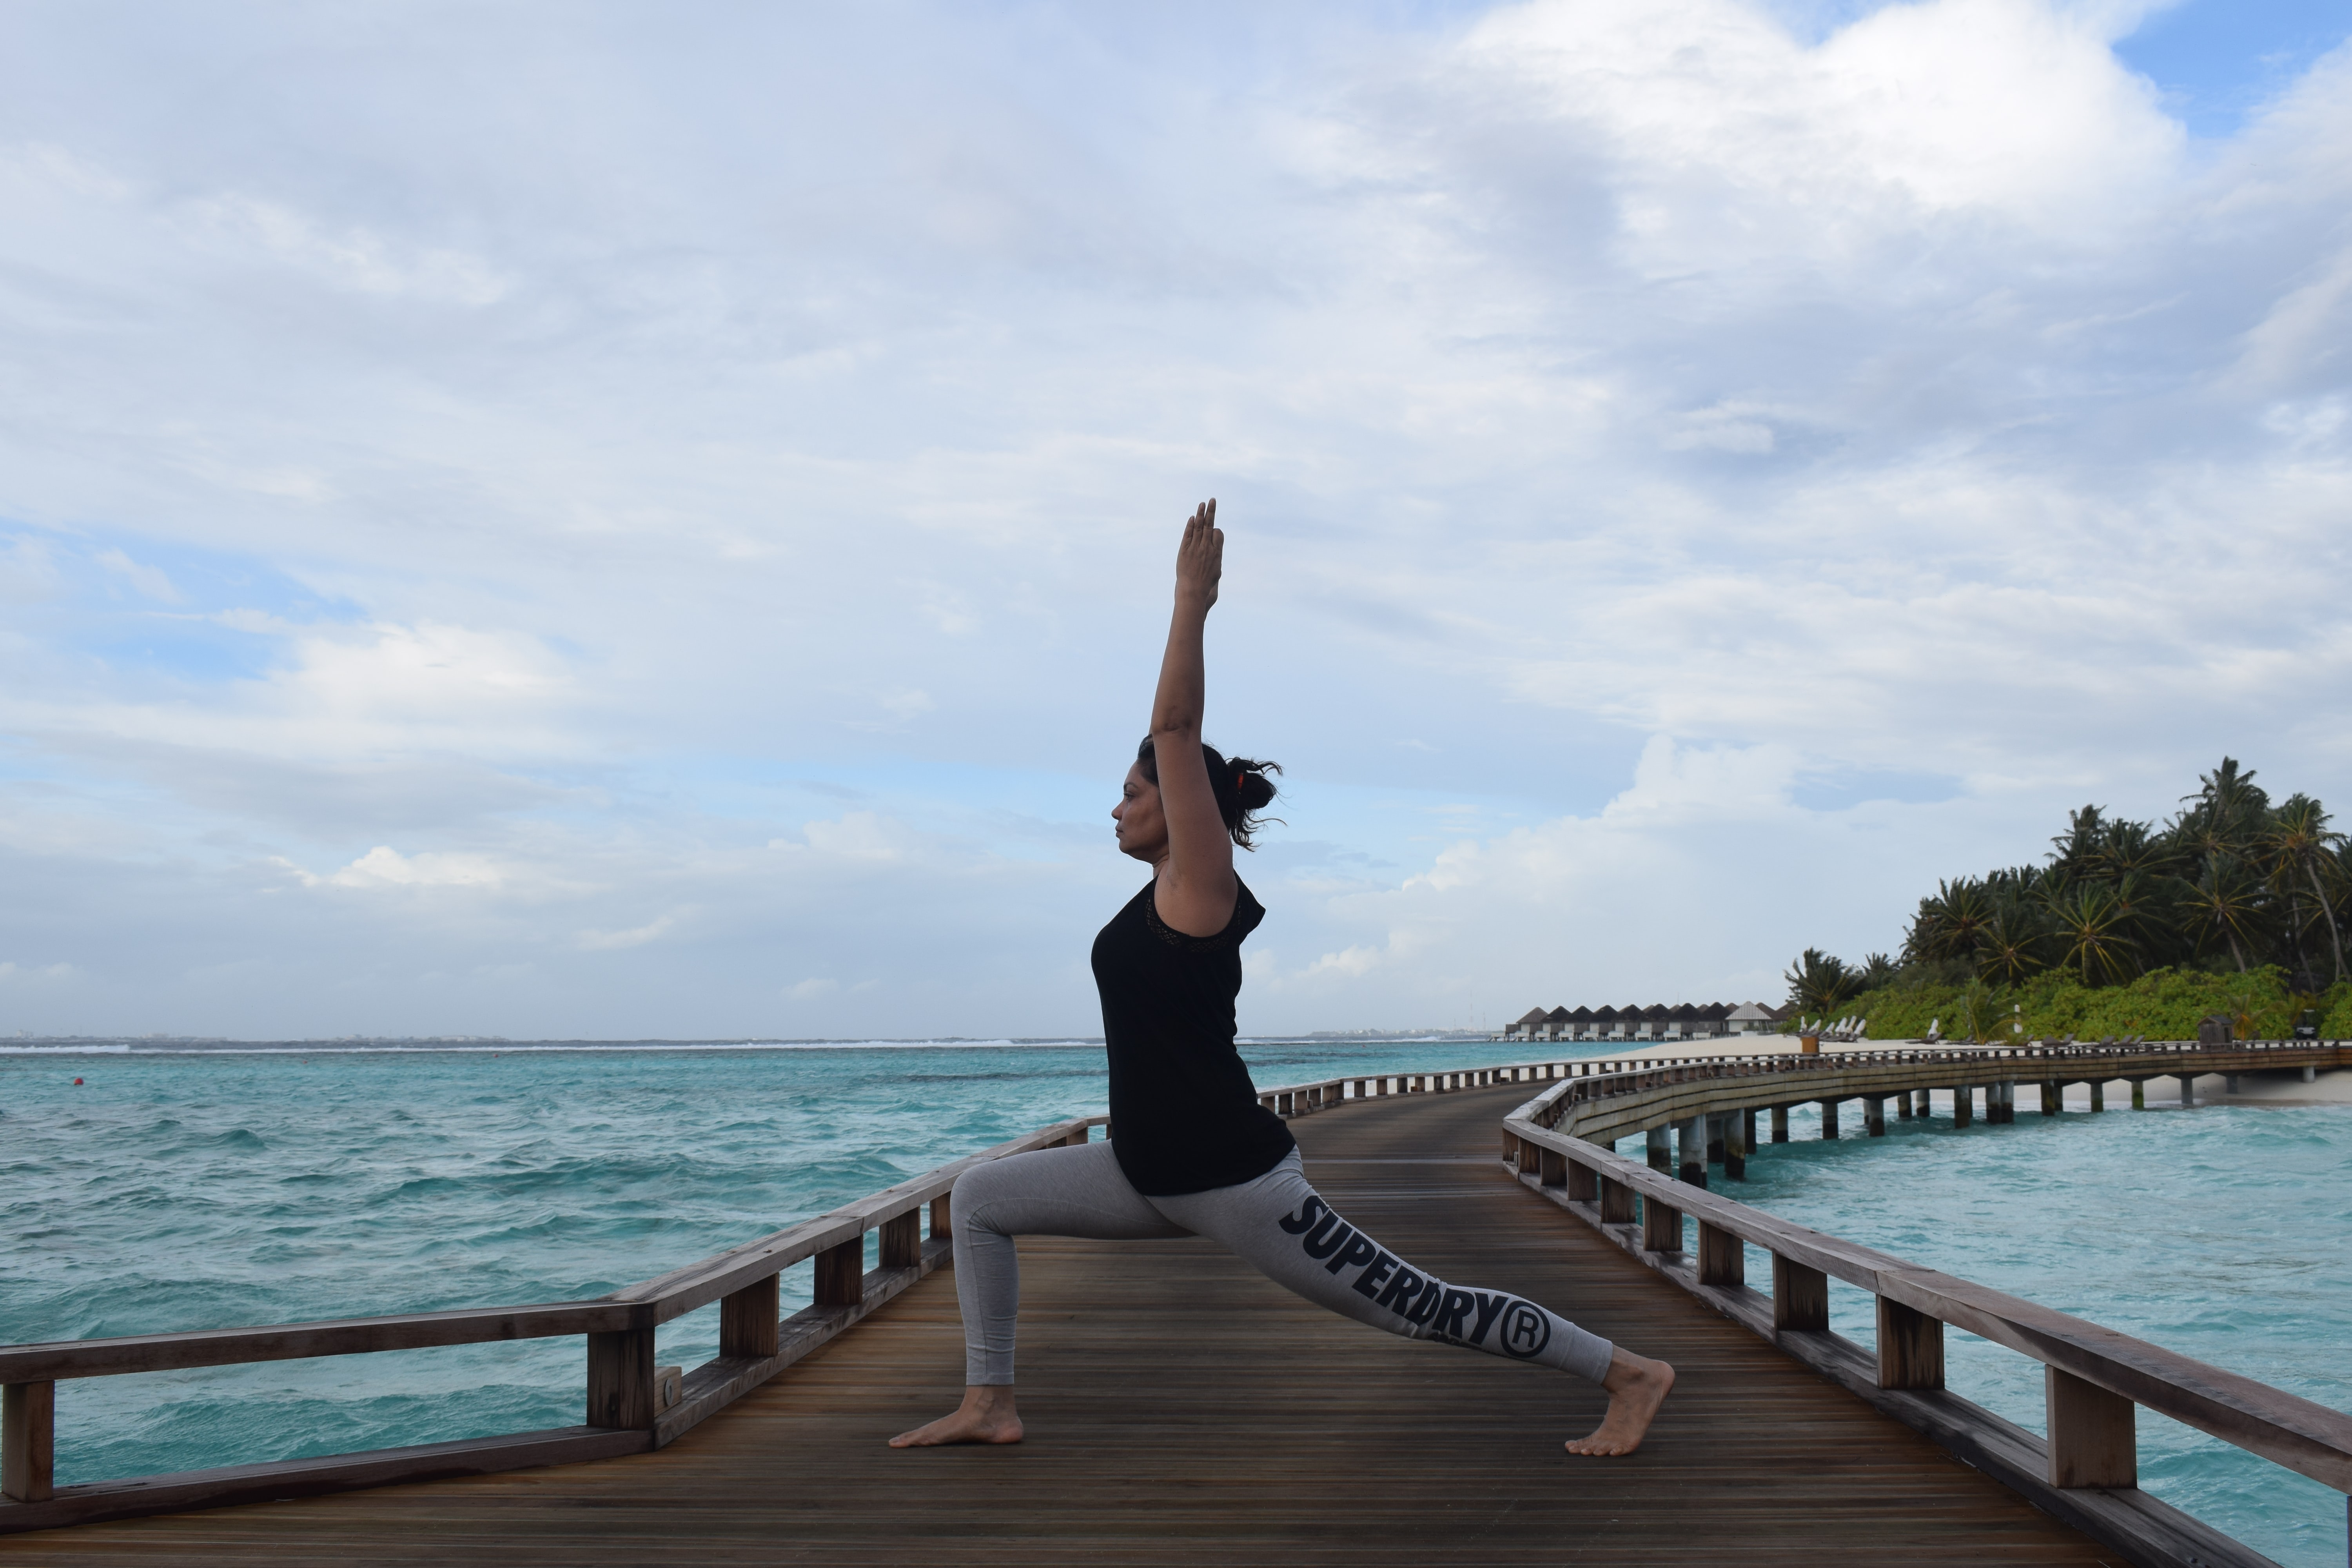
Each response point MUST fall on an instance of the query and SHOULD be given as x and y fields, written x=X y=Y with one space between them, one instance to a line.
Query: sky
x=576 y=520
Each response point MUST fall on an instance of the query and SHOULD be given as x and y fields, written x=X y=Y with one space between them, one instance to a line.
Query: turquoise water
x=2222 y=1232
x=192 y=1189
x=197 y=1189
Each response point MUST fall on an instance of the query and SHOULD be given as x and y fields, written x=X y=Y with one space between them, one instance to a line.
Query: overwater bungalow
x=1658 y=1021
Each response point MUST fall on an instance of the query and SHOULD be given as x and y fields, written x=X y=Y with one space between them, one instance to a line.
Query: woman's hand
x=1200 y=559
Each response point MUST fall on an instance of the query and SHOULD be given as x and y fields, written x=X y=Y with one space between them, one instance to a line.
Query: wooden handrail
x=640 y=1306
x=2299 y=1433
x=64 y=1359
x=624 y=1409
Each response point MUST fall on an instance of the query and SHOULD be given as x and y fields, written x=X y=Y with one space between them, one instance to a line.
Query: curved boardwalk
x=1179 y=1407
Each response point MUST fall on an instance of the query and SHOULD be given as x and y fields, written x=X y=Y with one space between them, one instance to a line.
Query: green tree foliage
x=2231 y=887
x=1819 y=983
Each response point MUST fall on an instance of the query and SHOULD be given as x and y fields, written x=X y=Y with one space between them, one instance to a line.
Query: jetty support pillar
x=1921 y=1104
x=1691 y=1134
x=1873 y=1116
x=1779 y=1124
x=1660 y=1149
x=2053 y=1096
x=1964 y=1104
x=1739 y=1129
x=1829 y=1119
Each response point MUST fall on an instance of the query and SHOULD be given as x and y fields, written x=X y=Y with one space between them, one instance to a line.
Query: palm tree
x=2091 y=923
x=1949 y=924
x=2225 y=900
x=2296 y=846
x=2082 y=846
x=2012 y=947
x=1818 y=983
x=2136 y=847
x=1979 y=1004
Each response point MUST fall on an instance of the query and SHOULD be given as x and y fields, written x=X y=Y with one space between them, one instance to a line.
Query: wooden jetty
x=1180 y=1406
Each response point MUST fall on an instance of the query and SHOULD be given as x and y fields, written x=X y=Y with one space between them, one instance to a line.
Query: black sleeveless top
x=1184 y=1116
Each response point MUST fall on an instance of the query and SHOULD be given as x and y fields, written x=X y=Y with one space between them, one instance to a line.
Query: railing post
x=1552 y=1168
x=1722 y=1258
x=1801 y=1296
x=1583 y=1181
x=902 y=1240
x=1661 y=1228
x=621 y=1380
x=1616 y=1202
x=841 y=1273
x=29 y=1441
x=747 y=1321
x=1910 y=1347
x=2092 y=1441
x=942 y=1217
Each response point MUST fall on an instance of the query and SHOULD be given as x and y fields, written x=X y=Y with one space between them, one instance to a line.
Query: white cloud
x=351 y=257
x=635 y=936
x=1660 y=418
x=149 y=579
x=384 y=867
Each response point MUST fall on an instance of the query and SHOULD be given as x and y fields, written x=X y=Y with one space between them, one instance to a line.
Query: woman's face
x=1142 y=828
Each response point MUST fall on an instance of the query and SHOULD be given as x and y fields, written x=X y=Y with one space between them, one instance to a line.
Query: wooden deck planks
x=1182 y=1407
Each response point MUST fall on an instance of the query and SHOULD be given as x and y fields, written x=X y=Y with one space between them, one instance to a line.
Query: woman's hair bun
x=1240 y=784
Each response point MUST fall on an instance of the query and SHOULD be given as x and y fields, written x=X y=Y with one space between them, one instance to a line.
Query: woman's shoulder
x=1247 y=914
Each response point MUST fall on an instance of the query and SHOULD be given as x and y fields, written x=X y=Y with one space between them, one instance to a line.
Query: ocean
x=183 y=1188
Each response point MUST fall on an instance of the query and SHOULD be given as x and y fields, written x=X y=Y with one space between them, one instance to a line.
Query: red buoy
x=76 y=1080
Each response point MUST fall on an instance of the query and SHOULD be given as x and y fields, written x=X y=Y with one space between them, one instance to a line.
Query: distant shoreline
x=352 y=1044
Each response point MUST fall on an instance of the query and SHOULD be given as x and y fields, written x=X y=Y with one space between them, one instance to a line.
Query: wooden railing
x=2086 y=1470
x=633 y=1405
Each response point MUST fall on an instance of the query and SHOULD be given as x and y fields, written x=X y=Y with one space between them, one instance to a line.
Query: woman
x=1193 y=1153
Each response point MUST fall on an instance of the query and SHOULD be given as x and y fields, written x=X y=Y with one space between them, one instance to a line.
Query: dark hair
x=1241 y=788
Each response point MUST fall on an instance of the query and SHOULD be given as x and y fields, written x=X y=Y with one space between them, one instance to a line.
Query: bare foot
x=1637 y=1388
x=986 y=1415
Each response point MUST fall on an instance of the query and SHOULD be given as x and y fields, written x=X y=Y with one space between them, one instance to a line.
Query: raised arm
x=1196 y=887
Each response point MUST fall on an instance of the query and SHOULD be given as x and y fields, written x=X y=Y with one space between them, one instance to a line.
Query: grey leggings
x=1277 y=1223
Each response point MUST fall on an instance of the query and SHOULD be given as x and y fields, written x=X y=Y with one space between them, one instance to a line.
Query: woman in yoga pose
x=1193 y=1153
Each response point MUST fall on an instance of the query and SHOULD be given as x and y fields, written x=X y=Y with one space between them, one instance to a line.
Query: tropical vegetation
x=2236 y=905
